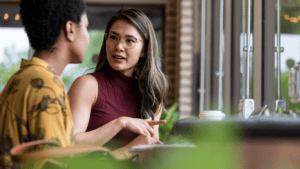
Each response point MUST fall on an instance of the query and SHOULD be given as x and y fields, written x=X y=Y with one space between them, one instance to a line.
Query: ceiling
x=98 y=16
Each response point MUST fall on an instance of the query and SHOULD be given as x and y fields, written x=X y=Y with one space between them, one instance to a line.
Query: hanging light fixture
x=17 y=17
x=6 y=16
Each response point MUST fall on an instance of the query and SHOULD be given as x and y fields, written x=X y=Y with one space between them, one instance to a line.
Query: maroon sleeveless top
x=117 y=97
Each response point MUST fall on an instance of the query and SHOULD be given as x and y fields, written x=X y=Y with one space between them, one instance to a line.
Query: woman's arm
x=83 y=95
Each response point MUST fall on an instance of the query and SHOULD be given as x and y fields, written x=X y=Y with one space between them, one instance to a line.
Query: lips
x=118 y=57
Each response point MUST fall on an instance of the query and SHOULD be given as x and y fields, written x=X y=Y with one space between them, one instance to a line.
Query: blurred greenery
x=217 y=147
x=285 y=91
x=290 y=63
x=10 y=64
x=93 y=160
x=171 y=117
x=165 y=130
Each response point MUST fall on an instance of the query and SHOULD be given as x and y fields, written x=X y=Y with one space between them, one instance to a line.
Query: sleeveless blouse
x=117 y=97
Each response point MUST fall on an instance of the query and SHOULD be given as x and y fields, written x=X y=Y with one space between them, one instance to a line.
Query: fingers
x=159 y=142
x=144 y=127
x=149 y=131
x=146 y=130
x=135 y=130
x=152 y=123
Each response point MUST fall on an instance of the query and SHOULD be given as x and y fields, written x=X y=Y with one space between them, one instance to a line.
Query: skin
x=70 y=47
x=84 y=92
x=129 y=57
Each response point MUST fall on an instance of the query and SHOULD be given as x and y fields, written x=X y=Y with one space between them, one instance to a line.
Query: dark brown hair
x=152 y=83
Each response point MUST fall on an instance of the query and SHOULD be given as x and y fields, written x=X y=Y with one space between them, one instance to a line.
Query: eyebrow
x=130 y=36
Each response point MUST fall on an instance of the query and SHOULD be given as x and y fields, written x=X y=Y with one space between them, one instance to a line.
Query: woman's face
x=119 y=55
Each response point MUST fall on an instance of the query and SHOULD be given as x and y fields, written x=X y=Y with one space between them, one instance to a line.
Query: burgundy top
x=117 y=97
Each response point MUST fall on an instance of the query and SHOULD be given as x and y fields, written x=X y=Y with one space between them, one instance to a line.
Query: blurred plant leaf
x=171 y=117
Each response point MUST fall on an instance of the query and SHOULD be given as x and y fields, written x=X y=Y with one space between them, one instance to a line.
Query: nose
x=120 y=45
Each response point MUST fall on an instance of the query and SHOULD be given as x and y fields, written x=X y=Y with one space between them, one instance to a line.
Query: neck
x=56 y=59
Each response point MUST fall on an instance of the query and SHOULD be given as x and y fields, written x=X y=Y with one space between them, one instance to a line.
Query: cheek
x=135 y=57
x=137 y=53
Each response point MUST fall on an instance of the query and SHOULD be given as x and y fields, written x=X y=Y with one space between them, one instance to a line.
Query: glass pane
x=243 y=51
x=290 y=41
x=14 y=45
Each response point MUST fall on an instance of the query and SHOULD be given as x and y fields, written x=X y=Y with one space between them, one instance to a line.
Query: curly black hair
x=44 y=19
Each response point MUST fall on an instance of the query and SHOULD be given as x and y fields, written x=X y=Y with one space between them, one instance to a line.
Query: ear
x=70 y=31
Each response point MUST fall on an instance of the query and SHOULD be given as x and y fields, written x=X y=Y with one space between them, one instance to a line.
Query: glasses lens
x=112 y=39
x=130 y=42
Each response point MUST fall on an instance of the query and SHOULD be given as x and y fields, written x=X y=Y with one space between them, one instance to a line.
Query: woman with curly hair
x=34 y=104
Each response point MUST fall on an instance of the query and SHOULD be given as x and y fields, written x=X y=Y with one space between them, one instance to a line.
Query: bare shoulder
x=85 y=81
x=83 y=87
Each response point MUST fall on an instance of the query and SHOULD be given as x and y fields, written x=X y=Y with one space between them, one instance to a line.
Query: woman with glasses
x=120 y=104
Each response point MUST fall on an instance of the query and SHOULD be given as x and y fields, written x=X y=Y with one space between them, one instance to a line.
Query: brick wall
x=186 y=58
x=171 y=49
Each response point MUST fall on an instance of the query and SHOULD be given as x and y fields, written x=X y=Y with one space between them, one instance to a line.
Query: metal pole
x=278 y=51
x=221 y=55
x=202 y=76
x=248 y=50
x=246 y=106
x=244 y=53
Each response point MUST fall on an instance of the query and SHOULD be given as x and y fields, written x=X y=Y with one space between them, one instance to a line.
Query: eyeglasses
x=113 y=39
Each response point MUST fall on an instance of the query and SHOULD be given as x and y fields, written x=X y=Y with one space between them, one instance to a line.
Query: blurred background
x=203 y=48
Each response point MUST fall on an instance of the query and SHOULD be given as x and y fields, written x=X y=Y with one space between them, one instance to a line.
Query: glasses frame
x=124 y=43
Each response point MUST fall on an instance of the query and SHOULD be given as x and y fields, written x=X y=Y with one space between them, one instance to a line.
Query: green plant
x=290 y=63
x=171 y=116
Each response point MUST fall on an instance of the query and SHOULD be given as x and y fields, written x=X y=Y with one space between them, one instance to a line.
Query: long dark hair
x=152 y=83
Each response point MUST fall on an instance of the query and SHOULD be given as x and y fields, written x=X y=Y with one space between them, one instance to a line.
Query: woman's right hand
x=140 y=126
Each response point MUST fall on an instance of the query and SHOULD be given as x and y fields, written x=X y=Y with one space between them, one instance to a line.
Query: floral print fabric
x=33 y=106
